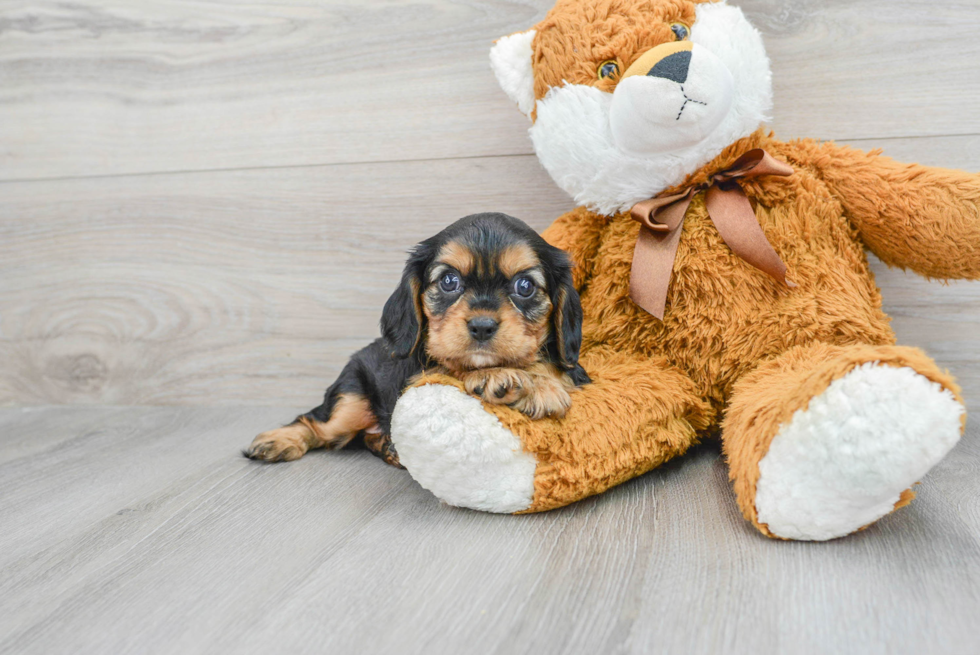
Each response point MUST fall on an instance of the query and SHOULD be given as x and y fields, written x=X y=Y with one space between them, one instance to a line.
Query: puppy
x=487 y=301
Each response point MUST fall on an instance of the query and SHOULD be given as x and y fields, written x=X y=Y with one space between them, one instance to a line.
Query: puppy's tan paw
x=545 y=397
x=281 y=445
x=380 y=444
x=497 y=386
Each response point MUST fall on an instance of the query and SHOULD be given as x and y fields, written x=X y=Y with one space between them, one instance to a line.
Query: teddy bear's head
x=628 y=97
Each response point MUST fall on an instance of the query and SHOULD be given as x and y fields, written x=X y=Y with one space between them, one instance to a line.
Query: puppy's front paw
x=497 y=386
x=281 y=445
x=545 y=397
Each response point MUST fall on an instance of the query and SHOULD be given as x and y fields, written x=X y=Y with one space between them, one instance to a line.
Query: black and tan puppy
x=486 y=300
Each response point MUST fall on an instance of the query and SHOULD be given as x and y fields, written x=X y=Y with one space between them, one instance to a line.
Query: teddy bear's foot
x=460 y=452
x=847 y=454
x=844 y=462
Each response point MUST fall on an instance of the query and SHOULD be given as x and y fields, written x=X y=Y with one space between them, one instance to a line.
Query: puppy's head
x=486 y=291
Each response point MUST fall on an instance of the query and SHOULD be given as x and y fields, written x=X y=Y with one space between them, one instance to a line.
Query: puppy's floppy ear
x=402 y=320
x=566 y=317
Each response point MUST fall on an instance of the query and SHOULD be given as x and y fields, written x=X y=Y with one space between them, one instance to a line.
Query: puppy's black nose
x=673 y=67
x=482 y=328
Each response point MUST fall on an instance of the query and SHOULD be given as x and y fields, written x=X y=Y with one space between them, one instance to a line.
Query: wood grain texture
x=100 y=87
x=143 y=530
x=108 y=86
x=224 y=287
x=254 y=286
x=239 y=286
x=206 y=202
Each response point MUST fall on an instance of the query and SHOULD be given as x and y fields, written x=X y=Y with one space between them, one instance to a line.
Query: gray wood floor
x=141 y=530
x=204 y=204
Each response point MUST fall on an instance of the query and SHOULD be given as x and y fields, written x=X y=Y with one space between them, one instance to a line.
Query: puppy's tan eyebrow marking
x=516 y=258
x=437 y=272
x=536 y=275
x=456 y=255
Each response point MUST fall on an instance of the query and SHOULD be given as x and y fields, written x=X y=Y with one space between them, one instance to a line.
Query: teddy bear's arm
x=579 y=233
x=910 y=216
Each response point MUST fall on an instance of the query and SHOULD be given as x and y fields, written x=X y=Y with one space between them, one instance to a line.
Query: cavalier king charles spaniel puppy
x=488 y=301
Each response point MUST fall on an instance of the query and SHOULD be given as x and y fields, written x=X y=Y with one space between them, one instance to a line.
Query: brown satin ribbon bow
x=730 y=211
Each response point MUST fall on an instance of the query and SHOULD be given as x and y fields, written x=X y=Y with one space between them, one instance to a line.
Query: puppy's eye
x=680 y=30
x=449 y=283
x=524 y=287
x=608 y=70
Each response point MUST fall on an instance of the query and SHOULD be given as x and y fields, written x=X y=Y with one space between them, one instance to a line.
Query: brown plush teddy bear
x=723 y=281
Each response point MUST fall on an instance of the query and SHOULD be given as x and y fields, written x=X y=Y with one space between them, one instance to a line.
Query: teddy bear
x=724 y=285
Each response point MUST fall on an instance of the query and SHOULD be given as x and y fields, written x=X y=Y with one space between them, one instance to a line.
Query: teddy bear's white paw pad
x=460 y=452
x=842 y=462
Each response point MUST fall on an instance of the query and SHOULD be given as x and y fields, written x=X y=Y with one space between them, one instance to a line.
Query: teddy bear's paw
x=460 y=452
x=844 y=461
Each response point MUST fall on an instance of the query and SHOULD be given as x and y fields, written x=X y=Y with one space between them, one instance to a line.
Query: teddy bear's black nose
x=672 y=67
x=482 y=328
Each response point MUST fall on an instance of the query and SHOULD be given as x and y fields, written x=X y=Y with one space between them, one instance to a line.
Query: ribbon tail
x=653 y=262
x=731 y=212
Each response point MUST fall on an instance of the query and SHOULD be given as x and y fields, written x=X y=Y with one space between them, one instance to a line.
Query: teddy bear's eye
x=680 y=30
x=608 y=70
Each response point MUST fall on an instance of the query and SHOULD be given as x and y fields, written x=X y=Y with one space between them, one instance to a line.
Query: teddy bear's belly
x=723 y=315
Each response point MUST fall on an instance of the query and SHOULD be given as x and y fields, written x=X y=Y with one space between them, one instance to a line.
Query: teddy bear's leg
x=824 y=440
x=637 y=413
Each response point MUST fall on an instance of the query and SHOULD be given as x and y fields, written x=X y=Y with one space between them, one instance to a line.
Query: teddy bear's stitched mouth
x=687 y=100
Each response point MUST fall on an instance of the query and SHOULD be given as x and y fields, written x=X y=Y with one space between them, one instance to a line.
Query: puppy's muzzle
x=672 y=97
x=482 y=328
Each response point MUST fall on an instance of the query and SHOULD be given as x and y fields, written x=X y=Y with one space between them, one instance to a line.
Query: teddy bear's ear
x=510 y=59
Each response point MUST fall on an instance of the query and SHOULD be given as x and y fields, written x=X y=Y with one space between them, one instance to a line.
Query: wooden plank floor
x=214 y=198
x=101 y=87
x=130 y=530
x=204 y=204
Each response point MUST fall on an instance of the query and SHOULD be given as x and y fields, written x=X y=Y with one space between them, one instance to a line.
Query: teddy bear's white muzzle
x=673 y=106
